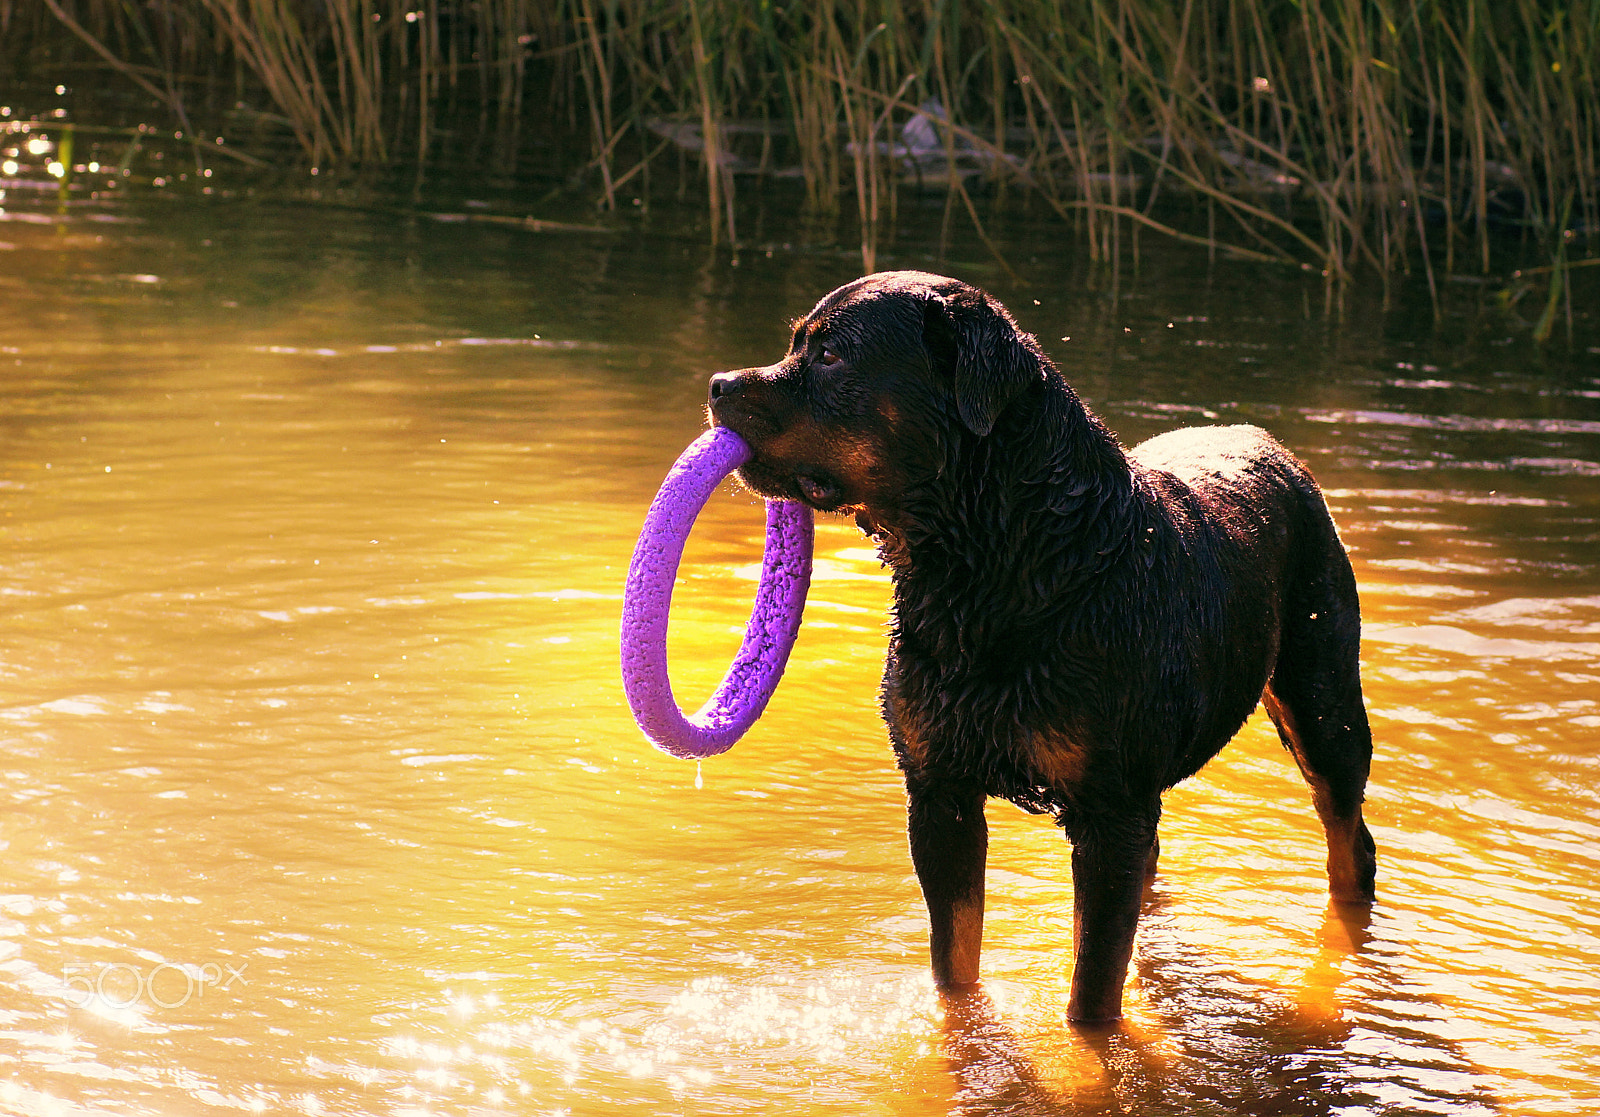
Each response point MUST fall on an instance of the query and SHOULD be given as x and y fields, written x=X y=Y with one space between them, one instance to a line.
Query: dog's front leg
x=1109 y=871
x=949 y=845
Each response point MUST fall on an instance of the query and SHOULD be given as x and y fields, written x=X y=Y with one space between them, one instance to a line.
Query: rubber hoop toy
x=647 y=604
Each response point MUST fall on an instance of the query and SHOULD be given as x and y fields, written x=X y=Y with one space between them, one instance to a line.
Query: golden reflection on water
x=321 y=797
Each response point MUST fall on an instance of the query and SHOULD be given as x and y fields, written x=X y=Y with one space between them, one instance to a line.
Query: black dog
x=1076 y=628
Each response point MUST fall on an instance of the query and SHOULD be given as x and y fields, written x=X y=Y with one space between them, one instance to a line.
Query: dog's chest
x=992 y=720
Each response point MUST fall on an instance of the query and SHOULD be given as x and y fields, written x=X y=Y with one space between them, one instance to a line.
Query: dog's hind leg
x=949 y=846
x=1314 y=698
x=1110 y=866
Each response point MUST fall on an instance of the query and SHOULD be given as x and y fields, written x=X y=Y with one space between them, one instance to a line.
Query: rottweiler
x=1076 y=627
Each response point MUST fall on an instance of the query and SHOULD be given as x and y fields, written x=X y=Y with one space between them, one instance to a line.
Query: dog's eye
x=828 y=359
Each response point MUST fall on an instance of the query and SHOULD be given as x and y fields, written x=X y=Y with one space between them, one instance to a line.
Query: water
x=318 y=793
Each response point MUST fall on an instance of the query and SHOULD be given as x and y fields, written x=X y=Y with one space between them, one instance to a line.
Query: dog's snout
x=725 y=384
x=744 y=401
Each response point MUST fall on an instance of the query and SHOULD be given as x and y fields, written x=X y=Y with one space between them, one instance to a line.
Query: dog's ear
x=974 y=343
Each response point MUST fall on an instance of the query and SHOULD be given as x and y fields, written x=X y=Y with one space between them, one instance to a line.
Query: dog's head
x=883 y=378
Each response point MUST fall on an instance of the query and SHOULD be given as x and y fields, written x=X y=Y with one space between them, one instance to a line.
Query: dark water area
x=318 y=792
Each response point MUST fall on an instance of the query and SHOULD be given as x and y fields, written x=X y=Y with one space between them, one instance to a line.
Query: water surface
x=318 y=793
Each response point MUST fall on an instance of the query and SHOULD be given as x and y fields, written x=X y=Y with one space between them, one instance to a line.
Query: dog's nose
x=724 y=384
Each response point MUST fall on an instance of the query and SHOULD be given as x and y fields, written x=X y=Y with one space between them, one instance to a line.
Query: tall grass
x=1337 y=135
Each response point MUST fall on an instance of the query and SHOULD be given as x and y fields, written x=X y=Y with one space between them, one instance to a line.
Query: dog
x=1075 y=627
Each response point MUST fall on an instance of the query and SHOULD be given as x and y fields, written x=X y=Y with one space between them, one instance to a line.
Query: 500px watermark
x=122 y=985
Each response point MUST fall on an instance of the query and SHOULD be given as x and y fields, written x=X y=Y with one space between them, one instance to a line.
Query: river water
x=318 y=793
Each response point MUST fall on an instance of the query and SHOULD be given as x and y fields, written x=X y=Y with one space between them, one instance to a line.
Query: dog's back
x=1251 y=555
x=1234 y=470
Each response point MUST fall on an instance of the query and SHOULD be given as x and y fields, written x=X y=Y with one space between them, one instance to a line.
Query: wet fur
x=1076 y=627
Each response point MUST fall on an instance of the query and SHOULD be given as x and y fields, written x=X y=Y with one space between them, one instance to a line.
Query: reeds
x=1337 y=135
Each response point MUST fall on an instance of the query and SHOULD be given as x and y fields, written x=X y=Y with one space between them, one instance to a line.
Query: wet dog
x=1075 y=627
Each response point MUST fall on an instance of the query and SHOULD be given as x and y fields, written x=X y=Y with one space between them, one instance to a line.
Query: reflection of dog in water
x=1354 y=1037
x=1076 y=627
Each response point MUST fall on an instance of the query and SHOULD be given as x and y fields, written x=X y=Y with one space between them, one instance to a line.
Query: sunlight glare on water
x=321 y=795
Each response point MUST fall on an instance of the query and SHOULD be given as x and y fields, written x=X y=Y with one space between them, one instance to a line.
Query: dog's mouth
x=819 y=492
x=778 y=482
x=773 y=478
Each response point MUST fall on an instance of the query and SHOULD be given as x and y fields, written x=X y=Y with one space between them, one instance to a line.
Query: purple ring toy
x=647 y=602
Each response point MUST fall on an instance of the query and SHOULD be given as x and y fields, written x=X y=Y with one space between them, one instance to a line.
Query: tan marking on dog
x=859 y=458
x=915 y=746
x=966 y=941
x=1289 y=730
x=1281 y=718
x=1057 y=759
x=855 y=459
